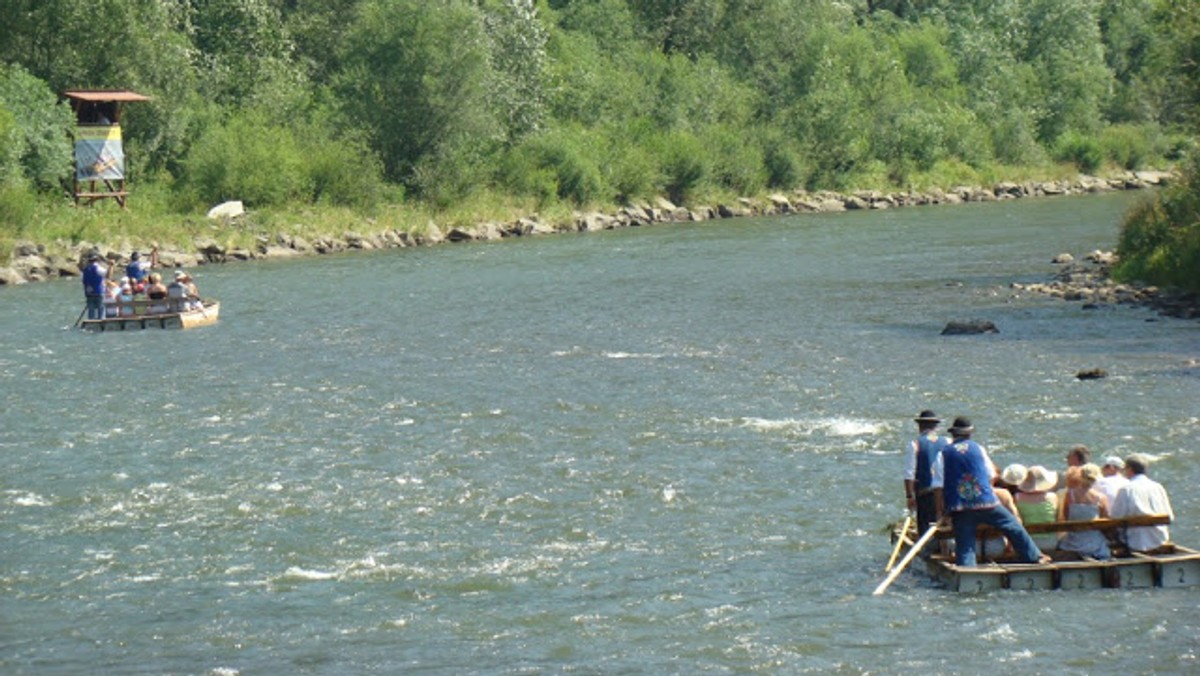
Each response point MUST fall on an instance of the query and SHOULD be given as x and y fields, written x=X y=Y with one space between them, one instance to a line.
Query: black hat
x=927 y=416
x=961 y=426
x=135 y=255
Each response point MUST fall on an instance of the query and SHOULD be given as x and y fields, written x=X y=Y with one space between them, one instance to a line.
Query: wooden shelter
x=99 y=155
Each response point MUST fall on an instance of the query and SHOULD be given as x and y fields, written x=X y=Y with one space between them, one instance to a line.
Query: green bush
x=553 y=165
x=737 y=162
x=783 y=162
x=1014 y=140
x=17 y=206
x=1129 y=146
x=1081 y=150
x=247 y=159
x=632 y=172
x=685 y=166
x=1160 y=237
x=343 y=172
x=43 y=126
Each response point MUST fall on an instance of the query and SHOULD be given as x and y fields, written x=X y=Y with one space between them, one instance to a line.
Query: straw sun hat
x=1014 y=474
x=1039 y=479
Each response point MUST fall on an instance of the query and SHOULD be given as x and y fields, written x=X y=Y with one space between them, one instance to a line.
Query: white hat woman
x=1038 y=503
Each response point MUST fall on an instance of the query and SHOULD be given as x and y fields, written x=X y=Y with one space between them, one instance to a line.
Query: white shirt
x=1110 y=486
x=1141 y=496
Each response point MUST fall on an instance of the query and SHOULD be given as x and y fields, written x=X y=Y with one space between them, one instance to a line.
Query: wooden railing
x=1072 y=526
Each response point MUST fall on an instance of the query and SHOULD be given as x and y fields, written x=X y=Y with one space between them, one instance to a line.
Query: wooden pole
x=912 y=554
x=899 y=542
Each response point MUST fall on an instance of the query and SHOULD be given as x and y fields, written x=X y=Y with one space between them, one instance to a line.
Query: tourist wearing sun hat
x=1113 y=478
x=1038 y=503
x=1142 y=496
x=1013 y=475
x=923 y=468
x=967 y=499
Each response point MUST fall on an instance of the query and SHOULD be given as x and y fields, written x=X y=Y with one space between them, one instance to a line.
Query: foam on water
x=689 y=472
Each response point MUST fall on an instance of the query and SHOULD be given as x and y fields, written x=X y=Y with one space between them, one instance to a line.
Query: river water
x=658 y=450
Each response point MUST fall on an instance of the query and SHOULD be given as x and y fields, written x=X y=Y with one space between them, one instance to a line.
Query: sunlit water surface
x=657 y=450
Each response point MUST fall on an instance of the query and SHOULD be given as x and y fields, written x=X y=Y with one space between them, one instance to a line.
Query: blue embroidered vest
x=966 y=483
x=928 y=447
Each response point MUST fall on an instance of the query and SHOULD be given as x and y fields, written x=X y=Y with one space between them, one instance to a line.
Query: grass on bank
x=153 y=216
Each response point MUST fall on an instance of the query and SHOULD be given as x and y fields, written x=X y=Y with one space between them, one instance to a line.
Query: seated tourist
x=193 y=293
x=156 y=291
x=1114 y=477
x=111 y=293
x=125 y=298
x=1038 y=503
x=1012 y=476
x=994 y=548
x=1142 y=496
x=1082 y=501
x=177 y=293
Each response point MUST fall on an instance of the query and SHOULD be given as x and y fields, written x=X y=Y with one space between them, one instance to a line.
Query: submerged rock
x=970 y=327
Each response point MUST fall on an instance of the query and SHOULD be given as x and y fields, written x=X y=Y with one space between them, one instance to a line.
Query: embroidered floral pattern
x=969 y=489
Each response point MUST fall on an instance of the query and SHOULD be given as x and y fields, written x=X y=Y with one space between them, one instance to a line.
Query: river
x=670 y=449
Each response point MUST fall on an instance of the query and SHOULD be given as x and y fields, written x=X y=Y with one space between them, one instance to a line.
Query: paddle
x=899 y=542
x=912 y=554
x=79 y=318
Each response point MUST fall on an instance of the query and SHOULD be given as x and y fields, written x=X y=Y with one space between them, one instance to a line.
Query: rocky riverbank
x=33 y=261
x=1089 y=282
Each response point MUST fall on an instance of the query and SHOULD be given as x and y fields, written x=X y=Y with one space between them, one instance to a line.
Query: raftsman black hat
x=927 y=416
x=961 y=426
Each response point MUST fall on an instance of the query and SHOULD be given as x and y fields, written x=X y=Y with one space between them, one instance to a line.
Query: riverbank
x=41 y=261
x=1089 y=281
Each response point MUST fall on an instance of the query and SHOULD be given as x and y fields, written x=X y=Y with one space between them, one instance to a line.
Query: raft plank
x=1073 y=575
x=1030 y=577
x=1180 y=568
x=1136 y=572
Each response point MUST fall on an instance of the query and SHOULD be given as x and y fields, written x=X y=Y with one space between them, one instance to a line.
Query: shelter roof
x=104 y=95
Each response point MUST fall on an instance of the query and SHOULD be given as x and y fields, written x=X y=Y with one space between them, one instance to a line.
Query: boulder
x=227 y=210
x=969 y=327
x=460 y=234
x=1091 y=374
x=780 y=203
x=10 y=277
x=1063 y=259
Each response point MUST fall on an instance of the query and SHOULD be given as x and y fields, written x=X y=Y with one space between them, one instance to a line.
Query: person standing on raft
x=966 y=500
x=923 y=468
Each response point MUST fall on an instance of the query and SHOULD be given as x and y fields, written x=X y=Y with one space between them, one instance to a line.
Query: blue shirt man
x=137 y=269
x=93 y=287
x=967 y=500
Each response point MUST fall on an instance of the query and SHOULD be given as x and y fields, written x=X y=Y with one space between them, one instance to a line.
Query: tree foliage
x=600 y=100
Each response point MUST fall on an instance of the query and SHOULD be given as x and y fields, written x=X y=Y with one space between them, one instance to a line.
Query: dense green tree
x=418 y=76
x=595 y=98
x=39 y=131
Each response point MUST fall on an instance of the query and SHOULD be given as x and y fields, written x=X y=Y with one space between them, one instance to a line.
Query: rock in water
x=972 y=327
x=1092 y=374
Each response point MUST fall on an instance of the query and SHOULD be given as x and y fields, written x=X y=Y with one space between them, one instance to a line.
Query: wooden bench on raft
x=987 y=532
x=139 y=307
